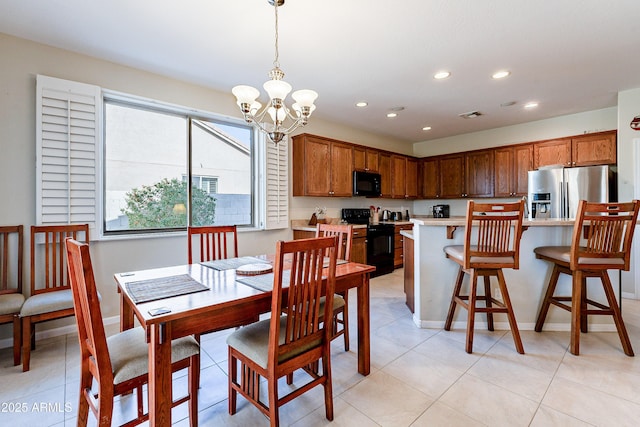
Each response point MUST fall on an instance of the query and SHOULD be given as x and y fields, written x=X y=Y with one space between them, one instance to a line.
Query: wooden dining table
x=225 y=303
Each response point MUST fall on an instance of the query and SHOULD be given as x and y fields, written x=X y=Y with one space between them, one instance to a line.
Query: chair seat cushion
x=253 y=341
x=456 y=252
x=47 y=303
x=129 y=353
x=11 y=303
x=563 y=255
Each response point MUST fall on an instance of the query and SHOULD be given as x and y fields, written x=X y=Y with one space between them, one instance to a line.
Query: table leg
x=126 y=314
x=364 y=343
x=160 y=391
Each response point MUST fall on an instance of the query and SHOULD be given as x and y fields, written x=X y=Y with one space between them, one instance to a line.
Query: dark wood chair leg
x=583 y=307
x=345 y=320
x=487 y=295
x=27 y=329
x=546 y=302
x=473 y=281
x=510 y=315
x=617 y=315
x=452 y=306
x=576 y=312
x=17 y=339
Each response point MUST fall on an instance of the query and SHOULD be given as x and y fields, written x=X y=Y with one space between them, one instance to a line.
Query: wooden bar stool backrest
x=344 y=234
x=10 y=271
x=602 y=235
x=212 y=242
x=497 y=228
x=48 y=260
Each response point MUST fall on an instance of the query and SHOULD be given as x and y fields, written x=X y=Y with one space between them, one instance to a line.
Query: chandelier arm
x=296 y=124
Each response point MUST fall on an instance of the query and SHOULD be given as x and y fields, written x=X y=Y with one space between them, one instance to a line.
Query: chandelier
x=283 y=121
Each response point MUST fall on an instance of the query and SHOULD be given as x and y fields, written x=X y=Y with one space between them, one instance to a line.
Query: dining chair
x=50 y=296
x=497 y=228
x=118 y=364
x=212 y=242
x=11 y=297
x=294 y=338
x=344 y=233
x=602 y=238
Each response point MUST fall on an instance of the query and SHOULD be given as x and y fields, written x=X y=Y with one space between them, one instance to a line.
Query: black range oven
x=379 y=240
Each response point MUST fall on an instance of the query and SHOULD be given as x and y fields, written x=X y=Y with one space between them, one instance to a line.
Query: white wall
x=22 y=60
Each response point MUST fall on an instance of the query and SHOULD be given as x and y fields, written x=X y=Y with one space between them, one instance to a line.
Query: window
x=147 y=165
x=122 y=164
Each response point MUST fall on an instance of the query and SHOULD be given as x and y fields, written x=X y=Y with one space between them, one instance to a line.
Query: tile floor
x=419 y=377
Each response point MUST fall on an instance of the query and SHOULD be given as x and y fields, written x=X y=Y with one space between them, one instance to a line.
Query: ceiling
x=569 y=56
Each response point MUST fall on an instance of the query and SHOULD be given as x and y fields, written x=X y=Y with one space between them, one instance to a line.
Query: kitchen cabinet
x=404 y=177
x=580 y=150
x=409 y=270
x=366 y=159
x=385 y=175
x=452 y=176
x=321 y=167
x=467 y=174
x=398 y=249
x=358 y=242
x=512 y=165
x=430 y=178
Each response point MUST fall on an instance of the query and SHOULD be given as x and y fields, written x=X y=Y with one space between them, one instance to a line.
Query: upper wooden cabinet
x=404 y=173
x=452 y=176
x=581 y=150
x=512 y=165
x=385 y=175
x=430 y=178
x=366 y=159
x=321 y=167
x=467 y=174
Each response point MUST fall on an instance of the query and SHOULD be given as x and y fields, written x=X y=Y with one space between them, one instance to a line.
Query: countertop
x=298 y=225
x=462 y=221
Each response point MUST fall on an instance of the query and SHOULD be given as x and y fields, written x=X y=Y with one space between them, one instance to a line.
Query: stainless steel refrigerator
x=554 y=192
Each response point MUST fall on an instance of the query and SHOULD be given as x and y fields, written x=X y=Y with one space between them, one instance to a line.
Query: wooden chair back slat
x=11 y=248
x=608 y=234
x=301 y=303
x=498 y=229
x=344 y=234
x=48 y=261
x=212 y=242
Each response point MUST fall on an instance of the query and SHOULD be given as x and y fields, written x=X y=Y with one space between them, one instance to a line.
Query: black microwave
x=366 y=184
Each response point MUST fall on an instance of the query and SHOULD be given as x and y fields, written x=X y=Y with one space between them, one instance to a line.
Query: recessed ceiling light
x=530 y=105
x=441 y=75
x=426 y=128
x=500 y=74
x=392 y=115
x=362 y=104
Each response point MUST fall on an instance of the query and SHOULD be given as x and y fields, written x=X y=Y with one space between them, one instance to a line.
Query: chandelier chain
x=276 y=62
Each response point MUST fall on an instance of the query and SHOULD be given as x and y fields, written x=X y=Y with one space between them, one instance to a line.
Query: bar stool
x=604 y=245
x=498 y=229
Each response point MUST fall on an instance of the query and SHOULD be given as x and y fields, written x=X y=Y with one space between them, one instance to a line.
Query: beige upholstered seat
x=294 y=337
x=497 y=228
x=11 y=297
x=51 y=296
x=602 y=237
x=119 y=364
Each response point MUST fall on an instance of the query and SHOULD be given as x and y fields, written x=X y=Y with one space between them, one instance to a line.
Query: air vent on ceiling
x=470 y=115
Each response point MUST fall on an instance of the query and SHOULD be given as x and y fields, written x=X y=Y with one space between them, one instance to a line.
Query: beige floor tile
x=387 y=400
x=430 y=376
x=488 y=403
x=483 y=340
x=440 y=414
x=544 y=351
x=344 y=415
x=547 y=417
x=589 y=405
x=404 y=333
x=443 y=348
x=45 y=408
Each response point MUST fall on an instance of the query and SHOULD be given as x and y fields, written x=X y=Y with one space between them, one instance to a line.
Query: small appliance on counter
x=441 y=211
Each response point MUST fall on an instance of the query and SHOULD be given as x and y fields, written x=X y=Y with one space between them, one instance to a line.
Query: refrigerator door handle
x=566 y=194
x=562 y=199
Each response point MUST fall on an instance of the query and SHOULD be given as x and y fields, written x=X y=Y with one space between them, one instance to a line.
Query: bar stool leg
x=617 y=314
x=473 y=280
x=487 y=295
x=551 y=288
x=452 y=306
x=583 y=307
x=576 y=312
x=512 y=318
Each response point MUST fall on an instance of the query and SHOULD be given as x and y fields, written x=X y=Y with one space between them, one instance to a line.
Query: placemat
x=263 y=282
x=165 y=287
x=232 y=263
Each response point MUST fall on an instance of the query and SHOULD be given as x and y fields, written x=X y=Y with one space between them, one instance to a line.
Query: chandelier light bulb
x=277 y=89
x=245 y=94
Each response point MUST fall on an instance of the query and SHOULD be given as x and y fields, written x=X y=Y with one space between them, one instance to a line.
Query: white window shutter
x=277 y=185
x=67 y=131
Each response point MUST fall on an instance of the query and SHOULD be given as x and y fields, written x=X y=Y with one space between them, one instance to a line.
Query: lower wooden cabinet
x=398 y=250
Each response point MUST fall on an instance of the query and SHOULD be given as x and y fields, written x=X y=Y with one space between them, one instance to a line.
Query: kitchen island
x=434 y=276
